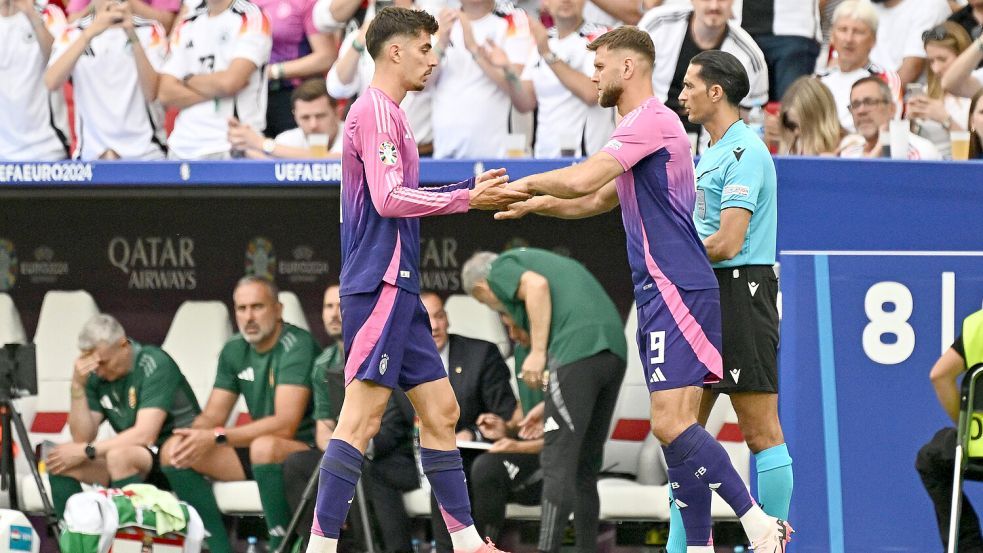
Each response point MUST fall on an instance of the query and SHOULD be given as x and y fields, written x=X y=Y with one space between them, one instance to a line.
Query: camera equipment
x=19 y=378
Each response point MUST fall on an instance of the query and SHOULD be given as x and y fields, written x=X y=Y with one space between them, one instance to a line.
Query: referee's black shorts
x=749 y=321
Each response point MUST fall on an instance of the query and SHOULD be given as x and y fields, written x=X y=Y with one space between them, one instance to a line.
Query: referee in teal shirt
x=736 y=216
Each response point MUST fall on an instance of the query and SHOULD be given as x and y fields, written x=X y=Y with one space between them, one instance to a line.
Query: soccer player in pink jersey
x=385 y=325
x=647 y=167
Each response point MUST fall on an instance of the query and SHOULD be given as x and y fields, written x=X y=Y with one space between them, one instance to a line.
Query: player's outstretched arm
x=575 y=181
x=601 y=201
x=492 y=194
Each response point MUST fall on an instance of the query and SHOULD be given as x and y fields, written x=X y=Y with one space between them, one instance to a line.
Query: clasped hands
x=493 y=191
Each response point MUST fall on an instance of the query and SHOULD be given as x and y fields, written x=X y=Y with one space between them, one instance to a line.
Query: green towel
x=169 y=515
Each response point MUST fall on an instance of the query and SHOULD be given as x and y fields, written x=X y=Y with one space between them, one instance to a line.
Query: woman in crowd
x=809 y=123
x=976 y=126
x=937 y=112
x=299 y=52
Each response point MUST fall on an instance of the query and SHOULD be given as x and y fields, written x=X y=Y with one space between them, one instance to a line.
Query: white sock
x=320 y=544
x=699 y=549
x=465 y=539
x=756 y=522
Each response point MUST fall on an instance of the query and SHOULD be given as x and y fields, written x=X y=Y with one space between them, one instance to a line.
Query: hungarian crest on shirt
x=388 y=153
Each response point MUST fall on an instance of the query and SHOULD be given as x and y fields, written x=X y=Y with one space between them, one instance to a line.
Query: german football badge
x=388 y=153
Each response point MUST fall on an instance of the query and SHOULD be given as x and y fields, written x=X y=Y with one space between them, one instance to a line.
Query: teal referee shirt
x=738 y=171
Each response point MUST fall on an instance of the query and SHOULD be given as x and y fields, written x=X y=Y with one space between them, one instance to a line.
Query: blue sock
x=445 y=471
x=708 y=461
x=677 y=530
x=691 y=496
x=341 y=467
x=774 y=480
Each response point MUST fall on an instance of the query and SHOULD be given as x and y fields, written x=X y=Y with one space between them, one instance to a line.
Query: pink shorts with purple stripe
x=679 y=339
x=388 y=339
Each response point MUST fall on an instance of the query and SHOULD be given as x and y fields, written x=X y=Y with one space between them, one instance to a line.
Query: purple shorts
x=388 y=339
x=679 y=339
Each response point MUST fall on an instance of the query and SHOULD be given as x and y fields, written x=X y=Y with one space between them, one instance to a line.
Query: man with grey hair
x=583 y=345
x=269 y=363
x=873 y=107
x=139 y=389
x=853 y=38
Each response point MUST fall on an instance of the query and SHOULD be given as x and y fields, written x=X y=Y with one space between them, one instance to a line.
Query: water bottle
x=251 y=546
x=756 y=120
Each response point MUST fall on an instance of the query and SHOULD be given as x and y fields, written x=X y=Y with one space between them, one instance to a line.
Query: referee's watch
x=90 y=451
x=551 y=57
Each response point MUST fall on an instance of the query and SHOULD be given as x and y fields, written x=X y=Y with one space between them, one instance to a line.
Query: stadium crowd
x=223 y=79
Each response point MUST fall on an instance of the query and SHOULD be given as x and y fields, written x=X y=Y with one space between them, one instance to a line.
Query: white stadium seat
x=11 y=329
x=293 y=311
x=469 y=317
x=197 y=334
x=46 y=415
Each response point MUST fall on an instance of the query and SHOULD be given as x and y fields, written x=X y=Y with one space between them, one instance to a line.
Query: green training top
x=242 y=370
x=155 y=381
x=584 y=320
x=331 y=362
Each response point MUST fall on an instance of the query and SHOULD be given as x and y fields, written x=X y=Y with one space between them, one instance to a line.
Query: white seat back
x=63 y=313
x=195 y=339
x=630 y=422
x=11 y=329
x=469 y=317
x=293 y=311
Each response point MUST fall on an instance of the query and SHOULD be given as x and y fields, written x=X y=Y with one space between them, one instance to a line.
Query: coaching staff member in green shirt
x=576 y=333
x=141 y=392
x=269 y=363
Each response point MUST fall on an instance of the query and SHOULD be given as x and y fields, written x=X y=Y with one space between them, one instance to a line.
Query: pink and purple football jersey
x=381 y=200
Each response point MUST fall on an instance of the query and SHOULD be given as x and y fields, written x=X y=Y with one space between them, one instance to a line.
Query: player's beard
x=610 y=96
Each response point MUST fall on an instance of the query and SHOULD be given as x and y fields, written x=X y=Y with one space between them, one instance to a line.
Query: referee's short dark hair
x=629 y=38
x=721 y=68
x=393 y=21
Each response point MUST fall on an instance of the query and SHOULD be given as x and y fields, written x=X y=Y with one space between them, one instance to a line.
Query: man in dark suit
x=480 y=379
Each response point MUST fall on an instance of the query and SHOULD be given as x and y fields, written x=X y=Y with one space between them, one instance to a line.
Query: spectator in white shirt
x=873 y=106
x=853 y=38
x=470 y=94
x=680 y=32
x=28 y=128
x=112 y=58
x=935 y=112
x=315 y=113
x=556 y=83
x=962 y=78
x=901 y=23
x=788 y=32
x=214 y=72
x=352 y=73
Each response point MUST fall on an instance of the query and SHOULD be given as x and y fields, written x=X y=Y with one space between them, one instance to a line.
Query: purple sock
x=692 y=497
x=445 y=471
x=340 y=468
x=708 y=461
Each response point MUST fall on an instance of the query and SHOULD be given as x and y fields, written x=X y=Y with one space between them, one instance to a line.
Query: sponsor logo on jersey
x=247 y=374
x=735 y=374
x=736 y=190
x=657 y=376
x=738 y=152
x=106 y=403
x=614 y=144
x=388 y=153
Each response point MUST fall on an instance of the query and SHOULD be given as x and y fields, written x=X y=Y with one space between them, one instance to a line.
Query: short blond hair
x=626 y=37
